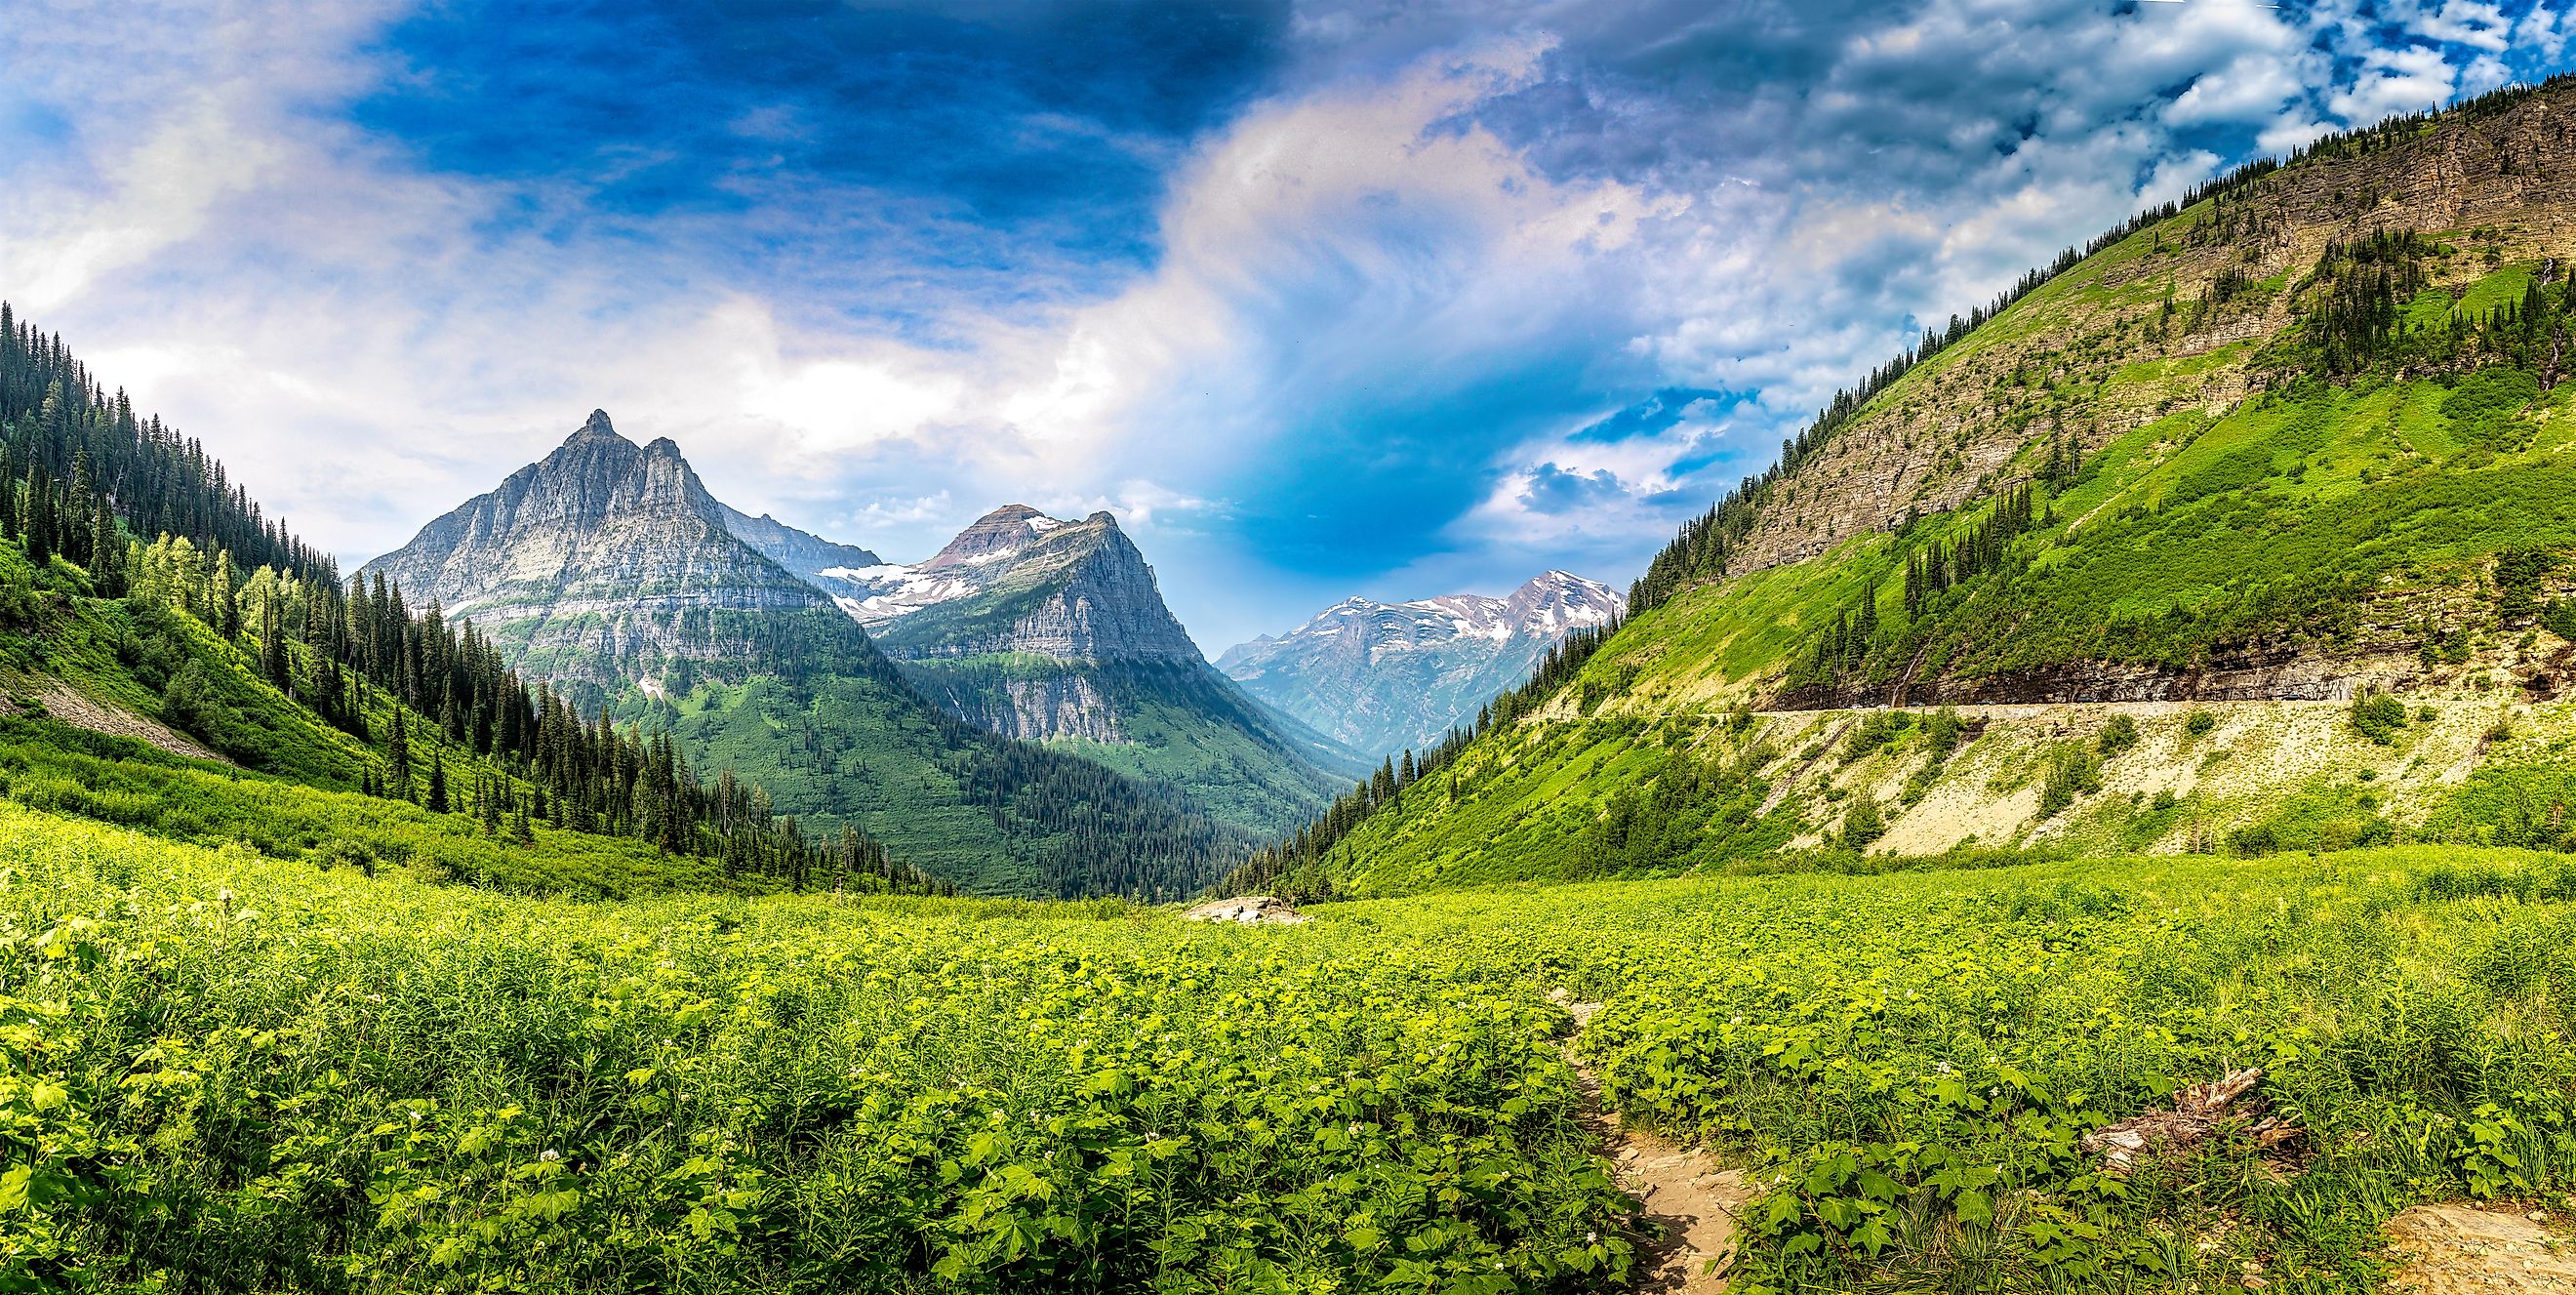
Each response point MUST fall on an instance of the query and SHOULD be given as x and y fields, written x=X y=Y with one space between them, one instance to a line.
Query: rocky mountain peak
x=1004 y=531
x=606 y=560
x=1559 y=600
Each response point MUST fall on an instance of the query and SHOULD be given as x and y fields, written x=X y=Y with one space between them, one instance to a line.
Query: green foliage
x=369 y=1085
x=1912 y=1059
x=2119 y=733
x=54 y=767
x=1862 y=823
x=2071 y=771
x=2199 y=723
x=2377 y=715
x=1875 y=730
x=1181 y=725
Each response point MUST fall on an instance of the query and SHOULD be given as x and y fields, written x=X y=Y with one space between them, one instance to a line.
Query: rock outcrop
x=1384 y=676
x=1018 y=581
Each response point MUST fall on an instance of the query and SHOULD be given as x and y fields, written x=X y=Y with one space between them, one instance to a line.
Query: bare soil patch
x=2460 y=1250
x=64 y=704
x=1250 y=910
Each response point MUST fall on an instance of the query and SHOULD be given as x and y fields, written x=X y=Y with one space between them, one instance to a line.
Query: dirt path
x=1687 y=1196
x=2455 y=1250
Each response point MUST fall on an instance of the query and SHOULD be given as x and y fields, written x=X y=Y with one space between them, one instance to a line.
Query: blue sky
x=1320 y=298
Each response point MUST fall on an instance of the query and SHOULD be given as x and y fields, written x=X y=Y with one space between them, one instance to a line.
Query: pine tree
x=398 y=756
x=40 y=517
x=272 y=638
x=437 y=803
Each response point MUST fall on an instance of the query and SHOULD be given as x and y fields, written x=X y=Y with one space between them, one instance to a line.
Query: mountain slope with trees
x=300 y=717
x=1055 y=631
x=2300 y=439
x=607 y=570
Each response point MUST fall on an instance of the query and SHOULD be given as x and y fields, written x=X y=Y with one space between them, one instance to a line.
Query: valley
x=2092 y=815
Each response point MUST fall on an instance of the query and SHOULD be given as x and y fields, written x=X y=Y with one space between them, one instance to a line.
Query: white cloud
x=368 y=344
x=2394 y=81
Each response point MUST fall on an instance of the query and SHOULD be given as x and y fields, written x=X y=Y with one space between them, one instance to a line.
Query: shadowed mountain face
x=1382 y=677
x=607 y=570
x=805 y=554
x=1056 y=631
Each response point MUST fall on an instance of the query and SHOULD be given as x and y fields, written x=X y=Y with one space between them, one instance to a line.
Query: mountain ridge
x=1056 y=631
x=2301 y=441
x=1383 y=677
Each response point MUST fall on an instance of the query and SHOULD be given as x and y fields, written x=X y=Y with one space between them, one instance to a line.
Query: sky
x=1394 y=299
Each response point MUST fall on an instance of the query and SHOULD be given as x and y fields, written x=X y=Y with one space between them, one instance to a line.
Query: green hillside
x=1056 y=632
x=2250 y=450
x=836 y=740
x=134 y=712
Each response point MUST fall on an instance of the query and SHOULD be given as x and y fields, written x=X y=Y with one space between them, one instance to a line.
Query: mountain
x=2249 y=520
x=809 y=556
x=1056 y=631
x=605 y=566
x=608 y=571
x=1384 y=677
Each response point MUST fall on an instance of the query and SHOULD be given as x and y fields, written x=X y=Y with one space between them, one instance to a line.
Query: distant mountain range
x=1056 y=631
x=1383 y=677
x=608 y=571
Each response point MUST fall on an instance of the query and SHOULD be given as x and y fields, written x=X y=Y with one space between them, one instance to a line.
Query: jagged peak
x=597 y=428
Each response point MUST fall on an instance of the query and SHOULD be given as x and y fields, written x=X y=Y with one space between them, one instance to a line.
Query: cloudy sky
x=1320 y=298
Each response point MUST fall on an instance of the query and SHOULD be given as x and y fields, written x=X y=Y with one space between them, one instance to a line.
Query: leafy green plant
x=2119 y=733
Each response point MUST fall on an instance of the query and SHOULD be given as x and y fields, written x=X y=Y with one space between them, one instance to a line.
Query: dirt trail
x=2455 y=1250
x=1686 y=1195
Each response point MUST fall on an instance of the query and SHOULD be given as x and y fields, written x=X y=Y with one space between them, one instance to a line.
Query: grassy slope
x=2350 y=521
x=290 y=786
x=324 y=1080
x=945 y=797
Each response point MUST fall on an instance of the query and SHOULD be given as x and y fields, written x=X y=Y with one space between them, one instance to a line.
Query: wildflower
x=551 y=1155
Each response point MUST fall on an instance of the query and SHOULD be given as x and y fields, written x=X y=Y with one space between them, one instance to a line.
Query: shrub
x=2377 y=716
x=2072 y=771
x=2118 y=736
x=1862 y=823
x=2199 y=723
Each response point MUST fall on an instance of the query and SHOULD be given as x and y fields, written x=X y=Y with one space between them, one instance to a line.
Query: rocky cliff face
x=1380 y=677
x=1018 y=581
x=806 y=554
x=605 y=563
